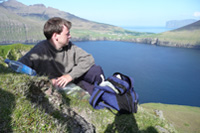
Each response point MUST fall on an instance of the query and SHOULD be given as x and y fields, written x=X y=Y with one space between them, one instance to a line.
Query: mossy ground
x=19 y=114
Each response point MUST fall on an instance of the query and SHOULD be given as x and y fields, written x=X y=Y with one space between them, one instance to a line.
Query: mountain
x=15 y=28
x=39 y=11
x=179 y=23
x=20 y=23
x=190 y=27
x=187 y=37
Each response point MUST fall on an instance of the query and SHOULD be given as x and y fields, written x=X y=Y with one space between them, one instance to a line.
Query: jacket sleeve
x=83 y=62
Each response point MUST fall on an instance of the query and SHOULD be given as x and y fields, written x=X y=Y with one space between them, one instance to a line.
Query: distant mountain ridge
x=42 y=12
x=179 y=23
x=190 y=27
x=15 y=28
x=187 y=36
x=20 y=23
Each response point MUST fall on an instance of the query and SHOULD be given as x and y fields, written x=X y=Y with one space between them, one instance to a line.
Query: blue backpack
x=117 y=93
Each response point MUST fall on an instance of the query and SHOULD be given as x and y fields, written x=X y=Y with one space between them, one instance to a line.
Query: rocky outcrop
x=156 y=41
x=175 y=44
x=152 y=41
x=42 y=95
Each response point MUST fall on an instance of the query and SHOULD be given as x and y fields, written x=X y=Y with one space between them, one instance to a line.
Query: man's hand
x=62 y=81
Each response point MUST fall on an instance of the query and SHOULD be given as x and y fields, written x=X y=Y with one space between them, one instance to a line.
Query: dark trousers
x=92 y=76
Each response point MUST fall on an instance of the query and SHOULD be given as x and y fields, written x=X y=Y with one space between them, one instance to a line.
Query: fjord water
x=161 y=74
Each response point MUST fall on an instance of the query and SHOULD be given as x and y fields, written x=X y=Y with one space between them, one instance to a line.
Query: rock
x=75 y=91
x=42 y=94
x=159 y=113
x=161 y=129
x=154 y=41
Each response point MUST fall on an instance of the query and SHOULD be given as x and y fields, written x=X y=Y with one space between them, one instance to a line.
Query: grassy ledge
x=26 y=106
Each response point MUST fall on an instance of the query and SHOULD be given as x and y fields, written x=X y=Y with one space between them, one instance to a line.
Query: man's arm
x=62 y=81
x=83 y=62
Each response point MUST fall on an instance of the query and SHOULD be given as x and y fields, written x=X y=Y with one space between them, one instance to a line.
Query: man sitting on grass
x=62 y=61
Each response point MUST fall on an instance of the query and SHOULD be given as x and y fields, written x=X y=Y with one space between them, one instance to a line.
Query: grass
x=181 y=37
x=120 y=35
x=17 y=113
x=14 y=51
x=184 y=37
x=20 y=114
x=184 y=118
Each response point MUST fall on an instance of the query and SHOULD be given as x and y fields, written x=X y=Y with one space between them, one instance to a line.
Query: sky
x=126 y=12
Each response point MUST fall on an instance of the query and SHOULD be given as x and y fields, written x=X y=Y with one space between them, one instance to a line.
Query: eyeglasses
x=68 y=34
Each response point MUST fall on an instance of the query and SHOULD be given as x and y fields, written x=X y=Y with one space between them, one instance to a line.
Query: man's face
x=64 y=37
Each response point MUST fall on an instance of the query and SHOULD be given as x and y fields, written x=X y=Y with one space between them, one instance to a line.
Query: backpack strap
x=121 y=82
x=108 y=87
x=121 y=88
x=107 y=83
x=95 y=98
x=108 y=107
x=135 y=95
x=128 y=79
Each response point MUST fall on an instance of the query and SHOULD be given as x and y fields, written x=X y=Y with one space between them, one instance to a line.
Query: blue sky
x=126 y=12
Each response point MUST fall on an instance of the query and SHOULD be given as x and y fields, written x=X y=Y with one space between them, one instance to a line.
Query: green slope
x=185 y=119
x=189 y=34
x=24 y=24
x=14 y=28
x=14 y=51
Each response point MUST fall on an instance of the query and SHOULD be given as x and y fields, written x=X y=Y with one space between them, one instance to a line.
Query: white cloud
x=196 y=14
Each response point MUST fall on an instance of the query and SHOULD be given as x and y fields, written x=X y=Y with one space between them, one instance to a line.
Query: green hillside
x=189 y=34
x=14 y=51
x=20 y=23
x=185 y=119
x=26 y=107
x=14 y=28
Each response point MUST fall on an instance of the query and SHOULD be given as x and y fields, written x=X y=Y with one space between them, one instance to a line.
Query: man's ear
x=55 y=36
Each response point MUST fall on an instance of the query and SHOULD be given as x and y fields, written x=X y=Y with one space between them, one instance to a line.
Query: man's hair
x=55 y=25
